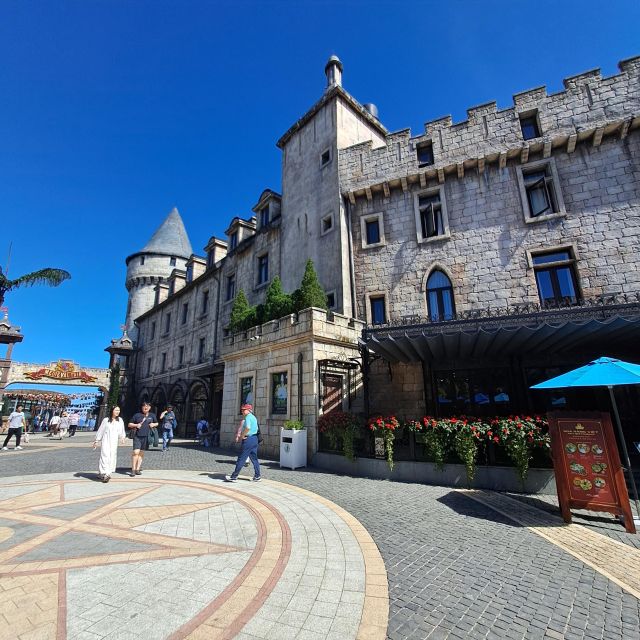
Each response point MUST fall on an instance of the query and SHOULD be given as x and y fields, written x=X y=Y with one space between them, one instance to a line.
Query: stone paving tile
x=446 y=556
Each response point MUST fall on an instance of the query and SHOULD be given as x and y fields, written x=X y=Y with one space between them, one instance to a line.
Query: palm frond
x=49 y=276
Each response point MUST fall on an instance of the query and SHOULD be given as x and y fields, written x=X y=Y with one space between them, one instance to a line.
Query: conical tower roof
x=170 y=238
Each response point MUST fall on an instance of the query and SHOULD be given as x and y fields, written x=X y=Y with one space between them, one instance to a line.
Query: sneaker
x=19 y=448
x=106 y=479
x=132 y=474
x=5 y=449
x=256 y=479
x=246 y=464
x=230 y=479
x=138 y=472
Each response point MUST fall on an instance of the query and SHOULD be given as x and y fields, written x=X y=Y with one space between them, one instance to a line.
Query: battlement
x=589 y=103
x=309 y=323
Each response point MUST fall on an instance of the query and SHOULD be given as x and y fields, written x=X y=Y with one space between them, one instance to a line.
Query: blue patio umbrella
x=603 y=372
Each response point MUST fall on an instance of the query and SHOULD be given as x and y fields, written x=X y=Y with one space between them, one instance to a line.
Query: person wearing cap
x=248 y=435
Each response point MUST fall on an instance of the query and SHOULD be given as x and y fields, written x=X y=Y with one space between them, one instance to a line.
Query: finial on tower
x=333 y=71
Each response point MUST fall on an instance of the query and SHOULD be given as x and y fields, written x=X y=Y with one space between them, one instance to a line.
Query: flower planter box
x=293 y=448
x=453 y=475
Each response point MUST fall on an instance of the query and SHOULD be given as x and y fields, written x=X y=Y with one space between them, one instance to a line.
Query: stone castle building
x=461 y=265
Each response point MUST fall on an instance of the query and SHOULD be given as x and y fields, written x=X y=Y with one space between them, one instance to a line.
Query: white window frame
x=539 y=165
x=376 y=294
x=443 y=212
x=363 y=230
x=331 y=218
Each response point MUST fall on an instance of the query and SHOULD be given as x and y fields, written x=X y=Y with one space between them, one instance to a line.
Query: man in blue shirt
x=248 y=434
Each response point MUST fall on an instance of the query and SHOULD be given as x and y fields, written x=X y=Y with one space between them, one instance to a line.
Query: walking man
x=248 y=435
x=53 y=425
x=16 y=422
x=169 y=423
x=142 y=422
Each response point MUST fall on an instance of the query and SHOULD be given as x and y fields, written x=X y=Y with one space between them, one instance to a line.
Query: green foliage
x=50 y=277
x=340 y=427
x=241 y=313
x=277 y=303
x=310 y=293
x=114 y=389
x=294 y=425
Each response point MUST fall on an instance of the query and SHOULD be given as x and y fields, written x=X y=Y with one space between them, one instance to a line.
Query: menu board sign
x=587 y=465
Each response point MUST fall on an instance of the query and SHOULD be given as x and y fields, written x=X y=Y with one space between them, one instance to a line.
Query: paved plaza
x=178 y=553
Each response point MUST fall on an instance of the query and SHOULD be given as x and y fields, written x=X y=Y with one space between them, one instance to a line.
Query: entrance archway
x=177 y=401
x=198 y=401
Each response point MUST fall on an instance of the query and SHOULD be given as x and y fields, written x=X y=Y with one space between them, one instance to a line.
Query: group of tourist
x=141 y=428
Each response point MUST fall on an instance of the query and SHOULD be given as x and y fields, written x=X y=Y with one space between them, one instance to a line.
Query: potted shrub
x=293 y=444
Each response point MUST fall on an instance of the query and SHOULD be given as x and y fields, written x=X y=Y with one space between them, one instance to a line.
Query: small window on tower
x=325 y=158
x=172 y=262
x=424 y=152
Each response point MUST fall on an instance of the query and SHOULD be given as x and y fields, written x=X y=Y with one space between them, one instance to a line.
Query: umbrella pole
x=624 y=451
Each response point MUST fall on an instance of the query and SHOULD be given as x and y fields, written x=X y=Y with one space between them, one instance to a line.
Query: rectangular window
x=148 y=366
x=325 y=158
x=205 y=303
x=541 y=197
x=167 y=323
x=431 y=220
x=163 y=362
x=201 y=350
x=156 y=298
x=279 y=393
x=331 y=300
x=172 y=287
x=230 y=288
x=529 y=126
x=185 y=313
x=141 y=260
x=556 y=278
x=153 y=330
x=264 y=217
x=373 y=231
x=246 y=391
x=263 y=268
x=233 y=241
x=180 y=354
x=378 y=311
x=172 y=262
x=326 y=224
x=424 y=153
x=189 y=276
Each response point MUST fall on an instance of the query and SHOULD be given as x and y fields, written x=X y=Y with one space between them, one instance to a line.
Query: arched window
x=440 y=297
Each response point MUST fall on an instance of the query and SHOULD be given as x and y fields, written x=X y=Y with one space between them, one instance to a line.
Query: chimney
x=333 y=71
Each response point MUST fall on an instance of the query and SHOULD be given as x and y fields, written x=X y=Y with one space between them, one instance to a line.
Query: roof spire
x=170 y=237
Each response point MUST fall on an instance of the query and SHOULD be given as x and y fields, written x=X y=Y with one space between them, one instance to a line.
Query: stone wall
x=396 y=389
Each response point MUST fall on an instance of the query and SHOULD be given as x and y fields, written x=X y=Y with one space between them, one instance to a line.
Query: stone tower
x=168 y=249
x=316 y=218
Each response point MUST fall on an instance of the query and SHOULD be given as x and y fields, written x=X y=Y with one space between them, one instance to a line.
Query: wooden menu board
x=587 y=465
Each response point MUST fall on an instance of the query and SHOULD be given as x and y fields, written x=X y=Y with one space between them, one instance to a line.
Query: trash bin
x=293 y=448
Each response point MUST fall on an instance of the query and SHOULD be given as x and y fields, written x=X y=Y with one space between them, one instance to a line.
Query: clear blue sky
x=112 y=112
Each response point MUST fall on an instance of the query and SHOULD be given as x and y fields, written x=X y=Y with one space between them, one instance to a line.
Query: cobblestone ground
x=459 y=565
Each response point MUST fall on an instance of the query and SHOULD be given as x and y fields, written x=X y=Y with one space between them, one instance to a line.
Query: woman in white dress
x=111 y=430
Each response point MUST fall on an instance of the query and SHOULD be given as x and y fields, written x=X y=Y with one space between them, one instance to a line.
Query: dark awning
x=559 y=331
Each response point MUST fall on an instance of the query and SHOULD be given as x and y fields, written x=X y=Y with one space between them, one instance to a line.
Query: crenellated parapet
x=588 y=109
x=320 y=325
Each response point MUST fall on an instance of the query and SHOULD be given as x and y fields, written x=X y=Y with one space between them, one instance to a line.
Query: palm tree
x=51 y=277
